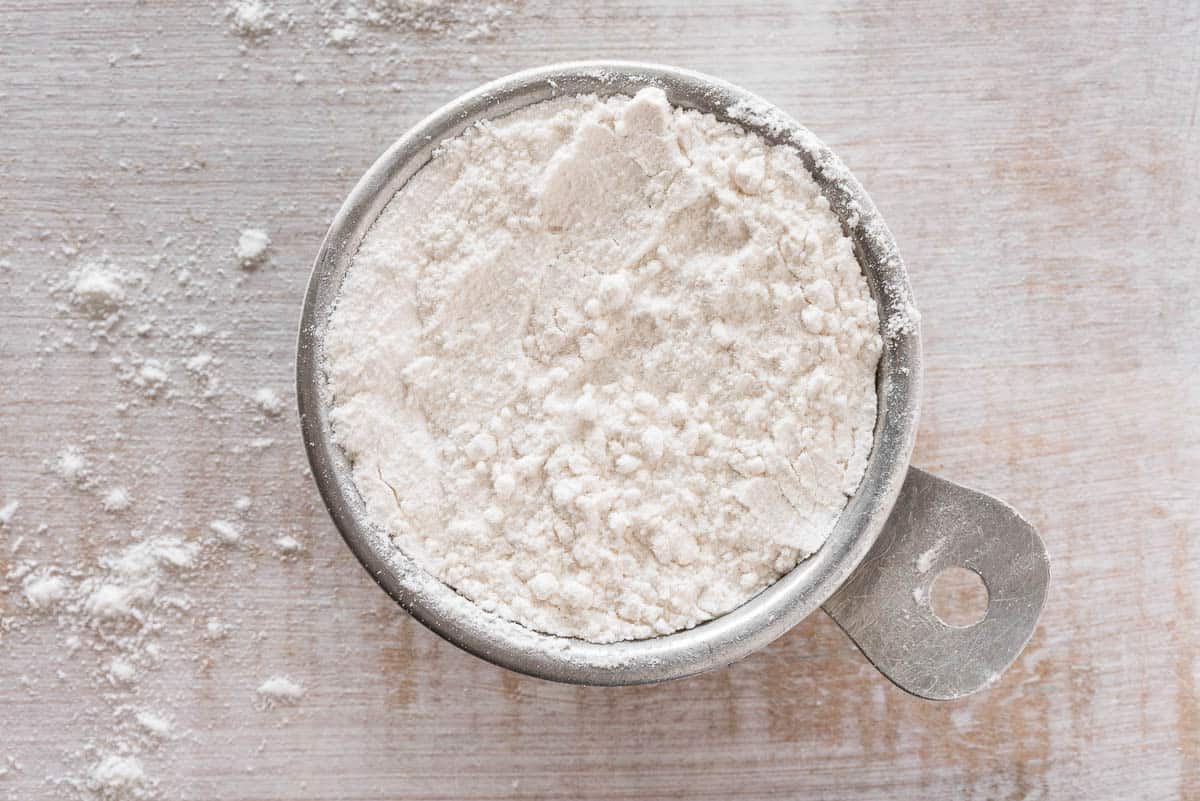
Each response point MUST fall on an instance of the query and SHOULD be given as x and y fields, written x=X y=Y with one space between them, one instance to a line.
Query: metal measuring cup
x=900 y=530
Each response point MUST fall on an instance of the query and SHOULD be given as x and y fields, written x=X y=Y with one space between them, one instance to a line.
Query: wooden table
x=1040 y=168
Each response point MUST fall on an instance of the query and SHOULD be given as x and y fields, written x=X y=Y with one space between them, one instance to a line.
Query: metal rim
x=761 y=619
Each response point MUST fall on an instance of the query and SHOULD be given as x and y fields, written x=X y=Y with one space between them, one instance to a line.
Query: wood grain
x=1039 y=166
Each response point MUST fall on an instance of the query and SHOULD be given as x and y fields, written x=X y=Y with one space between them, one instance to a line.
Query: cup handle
x=884 y=606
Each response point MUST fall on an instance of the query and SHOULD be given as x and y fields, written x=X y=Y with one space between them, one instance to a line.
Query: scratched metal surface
x=890 y=606
x=1040 y=168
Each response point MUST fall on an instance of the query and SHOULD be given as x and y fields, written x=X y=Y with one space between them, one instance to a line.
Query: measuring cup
x=899 y=531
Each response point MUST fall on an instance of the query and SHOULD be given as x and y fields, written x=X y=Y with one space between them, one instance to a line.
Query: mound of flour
x=606 y=367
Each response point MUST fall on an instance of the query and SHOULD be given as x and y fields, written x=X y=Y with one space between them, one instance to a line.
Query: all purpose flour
x=606 y=367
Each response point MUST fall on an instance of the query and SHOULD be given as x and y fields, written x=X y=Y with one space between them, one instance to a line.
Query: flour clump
x=97 y=290
x=280 y=691
x=252 y=248
x=606 y=367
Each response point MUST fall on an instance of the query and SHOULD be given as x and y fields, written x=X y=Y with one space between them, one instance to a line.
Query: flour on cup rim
x=606 y=367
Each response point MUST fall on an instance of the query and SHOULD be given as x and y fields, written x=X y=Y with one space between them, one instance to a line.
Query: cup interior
x=758 y=621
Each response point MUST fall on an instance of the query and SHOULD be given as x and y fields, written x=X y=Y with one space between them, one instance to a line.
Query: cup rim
x=759 y=620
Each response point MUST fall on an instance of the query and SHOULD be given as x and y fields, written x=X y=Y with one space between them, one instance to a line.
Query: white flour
x=606 y=367
x=226 y=532
x=252 y=19
x=97 y=290
x=269 y=401
x=252 y=247
x=280 y=690
x=118 y=776
x=116 y=500
x=343 y=21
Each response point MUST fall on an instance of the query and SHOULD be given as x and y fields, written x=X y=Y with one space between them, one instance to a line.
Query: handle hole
x=959 y=597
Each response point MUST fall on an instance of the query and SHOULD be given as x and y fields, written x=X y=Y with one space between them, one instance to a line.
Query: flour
x=44 y=591
x=472 y=19
x=925 y=561
x=130 y=586
x=343 y=35
x=287 y=544
x=606 y=367
x=269 y=402
x=251 y=19
x=97 y=290
x=116 y=500
x=280 y=691
x=215 y=629
x=120 y=671
x=369 y=26
x=154 y=724
x=252 y=247
x=226 y=532
x=112 y=611
x=115 y=776
x=151 y=377
x=108 y=572
x=72 y=466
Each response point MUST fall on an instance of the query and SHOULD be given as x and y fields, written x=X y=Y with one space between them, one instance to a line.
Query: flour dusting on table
x=119 y=606
x=280 y=690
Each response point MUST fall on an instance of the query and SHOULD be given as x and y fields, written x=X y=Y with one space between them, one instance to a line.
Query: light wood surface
x=1039 y=165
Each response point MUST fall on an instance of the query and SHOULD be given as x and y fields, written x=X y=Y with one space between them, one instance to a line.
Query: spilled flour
x=606 y=367
x=114 y=589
